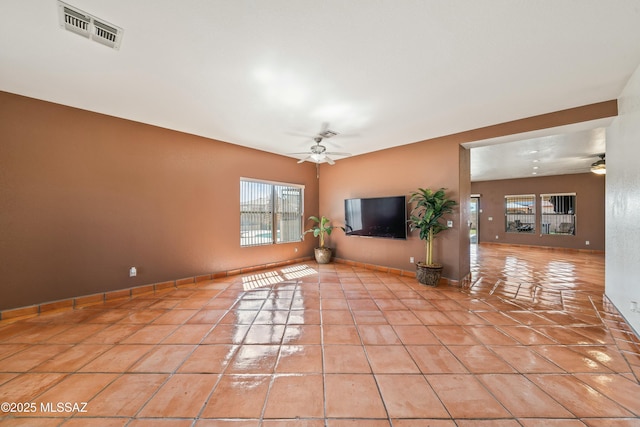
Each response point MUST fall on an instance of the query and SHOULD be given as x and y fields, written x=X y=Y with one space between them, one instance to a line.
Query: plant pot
x=323 y=255
x=428 y=274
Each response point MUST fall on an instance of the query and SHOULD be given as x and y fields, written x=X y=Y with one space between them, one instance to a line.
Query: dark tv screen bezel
x=377 y=231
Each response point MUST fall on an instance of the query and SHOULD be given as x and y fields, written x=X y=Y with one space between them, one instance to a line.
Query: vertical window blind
x=270 y=212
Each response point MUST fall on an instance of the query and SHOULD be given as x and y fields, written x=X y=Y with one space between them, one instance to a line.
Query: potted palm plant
x=320 y=229
x=426 y=216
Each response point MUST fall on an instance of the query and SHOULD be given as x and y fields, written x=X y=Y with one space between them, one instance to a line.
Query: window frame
x=515 y=225
x=274 y=211
x=551 y=228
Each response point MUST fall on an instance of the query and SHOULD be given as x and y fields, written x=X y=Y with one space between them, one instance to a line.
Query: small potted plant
x=430 y=207
x=322 y=227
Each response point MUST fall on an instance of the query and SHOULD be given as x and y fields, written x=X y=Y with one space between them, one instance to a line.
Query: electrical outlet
x=634 y=306
x=411 y=260
x=449 y=223
x=133 y=272
x=497 y=237
x=490 y=218
x=586 y=243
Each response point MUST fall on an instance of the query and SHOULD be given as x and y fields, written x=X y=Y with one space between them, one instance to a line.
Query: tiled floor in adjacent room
x=530 y=343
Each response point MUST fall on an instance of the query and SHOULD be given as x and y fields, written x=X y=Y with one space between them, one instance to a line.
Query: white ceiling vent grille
x=73 y=19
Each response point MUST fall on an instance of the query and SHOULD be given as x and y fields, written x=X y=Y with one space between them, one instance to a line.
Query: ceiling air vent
x=106 y=34
x=75 y=20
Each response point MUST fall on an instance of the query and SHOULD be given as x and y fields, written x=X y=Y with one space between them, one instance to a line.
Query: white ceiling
x=382 y=73
x=555 y=151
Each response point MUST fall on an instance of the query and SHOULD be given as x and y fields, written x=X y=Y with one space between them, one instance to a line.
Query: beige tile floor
x=530 y=343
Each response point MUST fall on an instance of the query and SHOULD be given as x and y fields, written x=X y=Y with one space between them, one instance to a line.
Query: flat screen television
x=376 y=217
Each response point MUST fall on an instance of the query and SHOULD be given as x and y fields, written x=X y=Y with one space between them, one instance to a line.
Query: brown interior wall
x=590 y=220
x=438 y=162
x=85 y=196
x=464 y=210
x=394 y=172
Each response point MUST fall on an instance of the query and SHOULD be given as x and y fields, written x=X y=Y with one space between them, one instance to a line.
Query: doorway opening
x=474 y=219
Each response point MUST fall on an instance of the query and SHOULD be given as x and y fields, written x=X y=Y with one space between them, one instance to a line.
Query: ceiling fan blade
x=302 y=160
x=335 y=153
x=298 y=154
x=329 y=160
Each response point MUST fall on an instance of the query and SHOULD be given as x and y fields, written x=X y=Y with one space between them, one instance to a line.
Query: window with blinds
x=520 y=213
x=270 y=212
x=558 y=213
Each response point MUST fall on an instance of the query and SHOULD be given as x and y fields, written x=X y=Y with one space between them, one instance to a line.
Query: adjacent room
x=207 y=213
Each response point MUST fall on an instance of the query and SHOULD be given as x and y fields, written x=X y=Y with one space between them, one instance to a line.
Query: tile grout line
x=615 y=341
x=366 y=353
x=273 y=374
x=195 y=347
x=322 y=351
x=556 y=325
x=221 y=374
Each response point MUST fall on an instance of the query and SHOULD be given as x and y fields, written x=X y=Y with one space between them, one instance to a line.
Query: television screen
x=376 y=217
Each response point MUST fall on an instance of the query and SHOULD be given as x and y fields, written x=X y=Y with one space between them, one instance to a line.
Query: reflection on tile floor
x=531 y=342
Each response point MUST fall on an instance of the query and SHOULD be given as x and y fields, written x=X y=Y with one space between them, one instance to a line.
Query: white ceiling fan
x=318 y=153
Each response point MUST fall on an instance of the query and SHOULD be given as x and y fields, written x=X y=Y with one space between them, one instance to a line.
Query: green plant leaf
x=430 y=207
